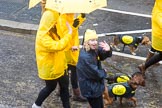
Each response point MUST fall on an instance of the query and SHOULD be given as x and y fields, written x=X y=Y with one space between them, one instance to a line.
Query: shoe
x=77 y=96
x=142 y=69
x=79 y=99
x=35 y=106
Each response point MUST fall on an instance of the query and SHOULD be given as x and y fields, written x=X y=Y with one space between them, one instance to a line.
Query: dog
x=114 y=78
x=117 y=78
x=124 y=89
x=132 y=41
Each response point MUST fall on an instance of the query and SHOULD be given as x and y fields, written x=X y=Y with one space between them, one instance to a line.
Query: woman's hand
x=74 y=48
x=104 y=46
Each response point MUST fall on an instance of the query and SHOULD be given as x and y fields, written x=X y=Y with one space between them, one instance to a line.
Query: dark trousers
x=153 y=60
x=63 y=82
x=96 y=102
x=74 y=79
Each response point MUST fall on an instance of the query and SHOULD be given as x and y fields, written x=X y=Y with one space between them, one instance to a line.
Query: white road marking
x=127 y=55
x=125 y=12
x=124 y=32
x=130 y=56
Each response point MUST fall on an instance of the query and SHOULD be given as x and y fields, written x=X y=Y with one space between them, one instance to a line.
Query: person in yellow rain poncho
x=50 y=48
x=156 y=37
x=73 y=53
x=72 y=57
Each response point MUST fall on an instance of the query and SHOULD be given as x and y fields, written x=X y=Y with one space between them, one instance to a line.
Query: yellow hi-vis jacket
x=157 y=25
x=72 y=56
x=50 y=55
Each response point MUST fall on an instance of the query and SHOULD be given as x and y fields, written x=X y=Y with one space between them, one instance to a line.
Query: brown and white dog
x=132 y=41
x=123 y=89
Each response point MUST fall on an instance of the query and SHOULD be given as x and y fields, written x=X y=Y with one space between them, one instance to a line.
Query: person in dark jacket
x=90 y=74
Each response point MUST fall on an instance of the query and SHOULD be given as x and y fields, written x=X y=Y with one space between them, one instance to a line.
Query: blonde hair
x=89 y=34
x=86 y=46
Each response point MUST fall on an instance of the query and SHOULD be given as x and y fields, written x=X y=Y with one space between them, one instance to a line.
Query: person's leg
x=150 y=54
x=64 y=90
x=153 y=60
x=74 y=82
x=96 y=102
x=46 y=91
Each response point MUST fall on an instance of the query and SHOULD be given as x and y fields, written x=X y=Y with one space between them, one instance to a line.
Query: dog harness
x=117 y=78
x=121 y=90
x=122 y=78
x=130 y=40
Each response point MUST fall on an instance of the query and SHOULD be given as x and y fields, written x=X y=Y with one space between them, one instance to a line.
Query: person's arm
x=82 y=18
x=90 y=69
x=104 y=50
x=48 y=20
x=78 y=21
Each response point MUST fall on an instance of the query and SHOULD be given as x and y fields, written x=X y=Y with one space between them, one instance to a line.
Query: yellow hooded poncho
x=50 y=55
x=157 y=25
x=71 y=56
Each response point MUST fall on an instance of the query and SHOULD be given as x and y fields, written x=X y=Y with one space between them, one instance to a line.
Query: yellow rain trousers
x=50 y=55
x=157 y=25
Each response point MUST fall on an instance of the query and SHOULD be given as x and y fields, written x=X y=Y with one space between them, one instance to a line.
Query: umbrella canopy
x=32 y=3
x=75 y=6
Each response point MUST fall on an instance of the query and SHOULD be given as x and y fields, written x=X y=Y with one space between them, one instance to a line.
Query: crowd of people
x=58 y=52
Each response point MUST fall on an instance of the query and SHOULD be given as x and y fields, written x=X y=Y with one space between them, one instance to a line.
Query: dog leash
x=115 y=69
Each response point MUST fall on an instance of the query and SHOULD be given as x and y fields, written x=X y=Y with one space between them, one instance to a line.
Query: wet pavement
x=18 y=11
x=20 y=85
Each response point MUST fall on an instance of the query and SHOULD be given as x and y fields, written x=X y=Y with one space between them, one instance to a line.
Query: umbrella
x=32 y=3
x=75 y=6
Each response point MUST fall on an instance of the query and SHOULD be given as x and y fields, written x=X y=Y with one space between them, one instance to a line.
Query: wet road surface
x=19 y=85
